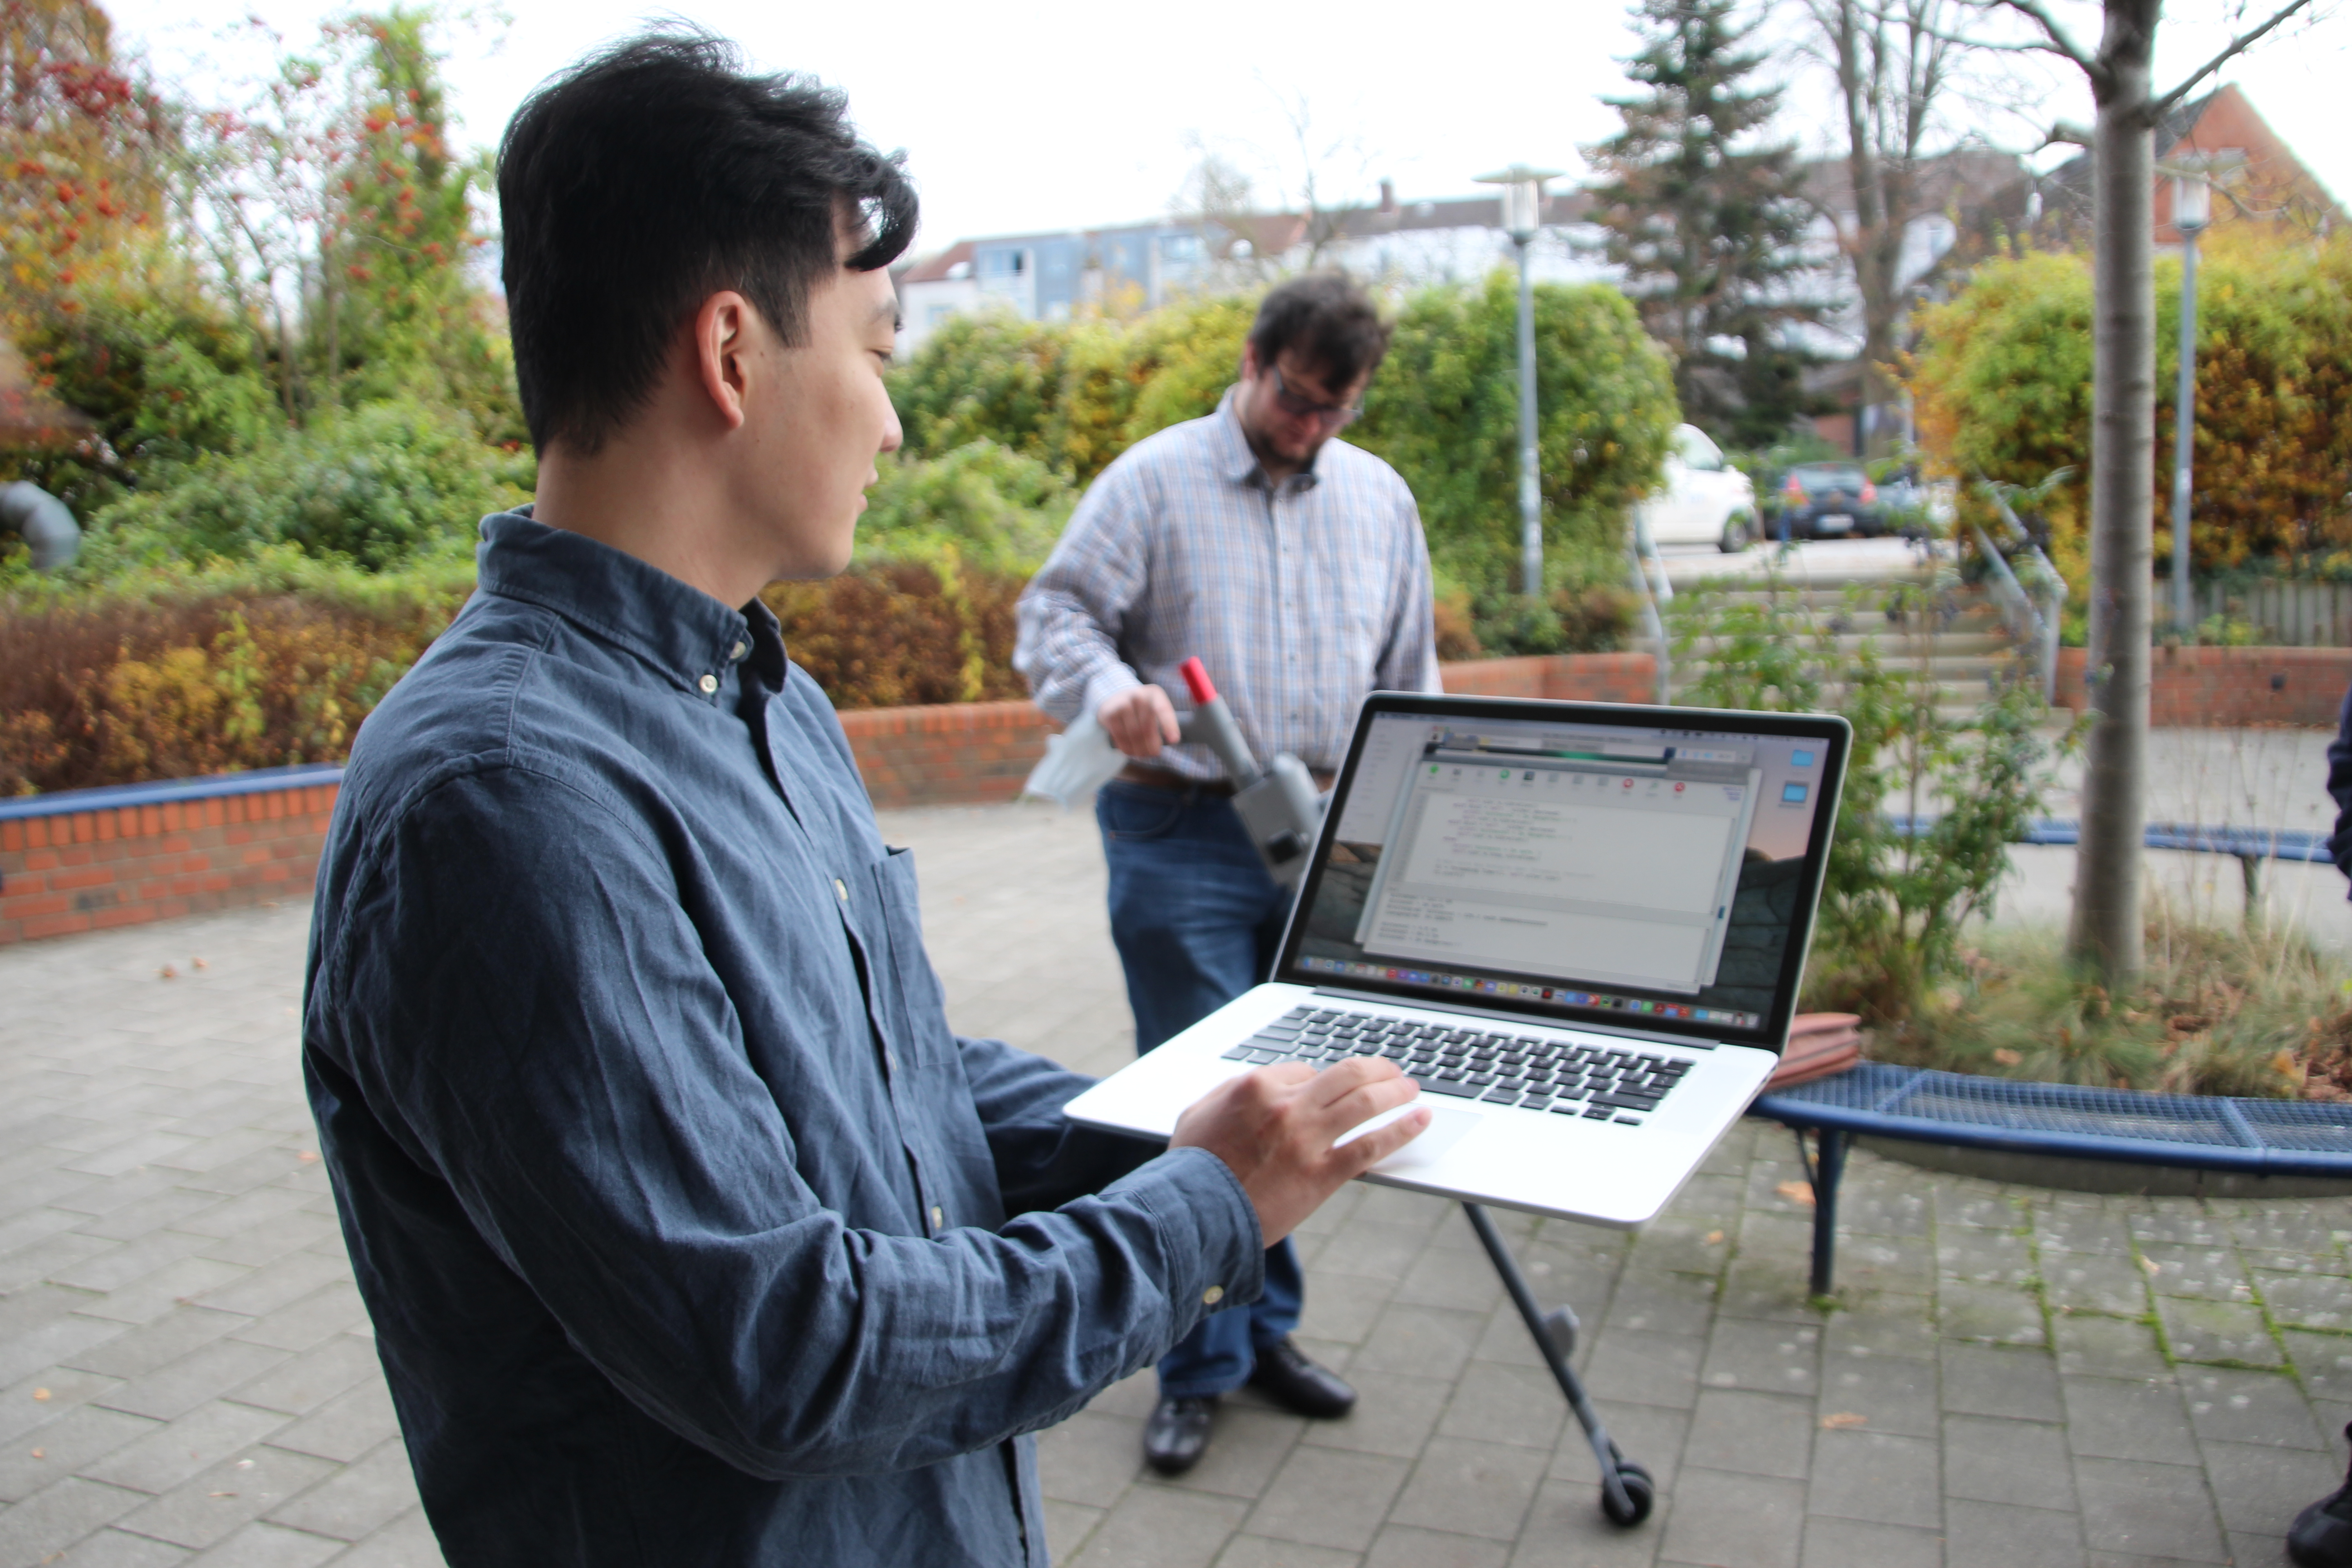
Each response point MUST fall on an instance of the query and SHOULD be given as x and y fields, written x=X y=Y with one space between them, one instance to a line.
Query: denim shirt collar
x=687 y=636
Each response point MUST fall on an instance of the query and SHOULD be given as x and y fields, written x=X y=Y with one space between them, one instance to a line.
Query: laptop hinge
x=1517 y=1018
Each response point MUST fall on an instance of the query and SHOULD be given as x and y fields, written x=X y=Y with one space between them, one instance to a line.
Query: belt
x=1162 y=778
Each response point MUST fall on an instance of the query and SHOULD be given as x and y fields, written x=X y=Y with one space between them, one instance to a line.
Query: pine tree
x=1705 y=217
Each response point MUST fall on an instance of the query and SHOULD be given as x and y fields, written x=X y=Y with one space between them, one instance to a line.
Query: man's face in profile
x=815 y=440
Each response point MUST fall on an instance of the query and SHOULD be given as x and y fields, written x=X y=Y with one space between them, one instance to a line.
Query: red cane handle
x=1196 y=681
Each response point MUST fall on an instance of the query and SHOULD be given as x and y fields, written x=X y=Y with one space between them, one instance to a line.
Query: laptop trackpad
x=1447 y=1126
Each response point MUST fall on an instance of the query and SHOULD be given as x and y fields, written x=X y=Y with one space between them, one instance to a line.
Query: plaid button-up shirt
x=1300 y=598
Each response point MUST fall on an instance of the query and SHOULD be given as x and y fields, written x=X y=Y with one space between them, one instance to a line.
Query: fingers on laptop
x=1350 y=1094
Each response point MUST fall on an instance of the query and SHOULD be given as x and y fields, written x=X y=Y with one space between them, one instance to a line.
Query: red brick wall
x=970 y=753
x=955 y=755
x=2201 y=687
x=83 y=870
x=1560 y=678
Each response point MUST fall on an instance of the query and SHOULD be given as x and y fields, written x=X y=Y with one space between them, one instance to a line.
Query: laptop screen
x=1565 y=861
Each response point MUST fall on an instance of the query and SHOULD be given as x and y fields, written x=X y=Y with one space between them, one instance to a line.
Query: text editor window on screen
x=1565 y=855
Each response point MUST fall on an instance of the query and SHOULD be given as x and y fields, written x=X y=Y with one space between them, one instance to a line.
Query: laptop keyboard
x=1597 y=1082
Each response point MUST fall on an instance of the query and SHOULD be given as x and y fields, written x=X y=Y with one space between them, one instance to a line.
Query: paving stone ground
x=2012 y=1377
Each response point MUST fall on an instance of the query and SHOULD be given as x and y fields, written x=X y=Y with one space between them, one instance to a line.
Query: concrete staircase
x=1950 y=635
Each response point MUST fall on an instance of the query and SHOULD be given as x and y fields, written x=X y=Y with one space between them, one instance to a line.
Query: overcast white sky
x=1055 y=114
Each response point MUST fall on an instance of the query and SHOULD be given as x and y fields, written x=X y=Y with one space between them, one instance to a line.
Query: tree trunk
x=2106 y=930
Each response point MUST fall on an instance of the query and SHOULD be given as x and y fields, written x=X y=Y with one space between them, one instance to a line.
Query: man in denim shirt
x=690 y=1232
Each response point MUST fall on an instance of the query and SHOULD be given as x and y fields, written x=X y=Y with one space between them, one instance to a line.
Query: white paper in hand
x=1078 y=761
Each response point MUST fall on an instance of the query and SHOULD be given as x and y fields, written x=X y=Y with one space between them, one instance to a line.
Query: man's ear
x=721 y=346
x=1249 y=362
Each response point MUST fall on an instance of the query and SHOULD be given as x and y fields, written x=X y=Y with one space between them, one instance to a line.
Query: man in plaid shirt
x=1293 y=565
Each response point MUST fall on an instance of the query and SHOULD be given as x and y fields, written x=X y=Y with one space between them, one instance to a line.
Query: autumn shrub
x=2004 y=387
x=1161 y=369
x=903 y=632
x=172 y=675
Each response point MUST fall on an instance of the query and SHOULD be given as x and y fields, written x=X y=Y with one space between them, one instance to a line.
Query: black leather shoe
x=1178 y=1434
x=1298 y=1384
x=2322 y=1534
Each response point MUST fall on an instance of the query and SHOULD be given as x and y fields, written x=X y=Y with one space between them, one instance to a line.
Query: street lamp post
x=1522 y=219
x=2192 y=211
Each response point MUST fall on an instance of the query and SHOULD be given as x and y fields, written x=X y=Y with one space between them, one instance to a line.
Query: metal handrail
x=2018 y=610
x=2050 y=610
x=1653 y=624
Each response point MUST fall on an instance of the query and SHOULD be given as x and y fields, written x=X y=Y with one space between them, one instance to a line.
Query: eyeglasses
x=1299 y=408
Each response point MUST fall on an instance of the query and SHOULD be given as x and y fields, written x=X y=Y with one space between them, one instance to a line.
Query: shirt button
x=740 y=649
x=709 y=683
x=841 y=889
x=938 y=1217
x=1212 y=1295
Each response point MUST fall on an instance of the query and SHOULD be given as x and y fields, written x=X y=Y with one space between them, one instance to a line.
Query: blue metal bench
x=2259 y=1137
x=2249 y=846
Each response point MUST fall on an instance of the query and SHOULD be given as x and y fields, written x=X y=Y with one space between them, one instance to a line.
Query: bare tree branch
x=2230 y=50
x=2008 y=47
x=2060 y=43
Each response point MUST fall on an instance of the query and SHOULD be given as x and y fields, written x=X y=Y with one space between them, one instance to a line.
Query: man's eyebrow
x=889 y=309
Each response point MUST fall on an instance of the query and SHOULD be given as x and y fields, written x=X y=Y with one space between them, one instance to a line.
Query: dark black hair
x=647 y=178
x=1329 y=320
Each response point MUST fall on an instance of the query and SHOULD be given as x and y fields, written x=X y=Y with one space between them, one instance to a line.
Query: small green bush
x=988 y=375
x=1894 y=902
x=1444 y=411
x=996 y=510
x=378 y=486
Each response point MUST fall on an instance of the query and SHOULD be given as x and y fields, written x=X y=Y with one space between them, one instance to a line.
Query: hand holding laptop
x=1277 y=1128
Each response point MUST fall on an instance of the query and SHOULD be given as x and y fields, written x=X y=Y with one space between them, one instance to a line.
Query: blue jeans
x=1197 y=921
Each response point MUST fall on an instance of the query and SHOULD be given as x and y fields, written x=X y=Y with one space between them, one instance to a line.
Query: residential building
x=1049 y=276
x=2257 y=180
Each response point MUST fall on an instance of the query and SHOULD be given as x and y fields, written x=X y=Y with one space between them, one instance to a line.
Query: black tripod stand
x=1627 y=1492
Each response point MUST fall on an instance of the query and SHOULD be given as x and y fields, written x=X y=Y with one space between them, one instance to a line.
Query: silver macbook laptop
x=1580 y=927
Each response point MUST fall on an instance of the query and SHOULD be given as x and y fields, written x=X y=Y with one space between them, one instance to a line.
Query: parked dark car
x=1831 y=500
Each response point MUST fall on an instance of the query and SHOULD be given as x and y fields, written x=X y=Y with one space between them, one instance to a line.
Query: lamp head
x=1522 y=198
x=2192 y=202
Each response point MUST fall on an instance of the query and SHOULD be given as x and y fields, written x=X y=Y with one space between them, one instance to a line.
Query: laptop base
x=1627 y=1491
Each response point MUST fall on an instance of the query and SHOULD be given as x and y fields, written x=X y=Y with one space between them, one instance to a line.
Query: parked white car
x=1705 y=501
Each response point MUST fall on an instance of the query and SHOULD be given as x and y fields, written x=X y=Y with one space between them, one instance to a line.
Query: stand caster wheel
x=1641 y=1494
x=1561 y=1325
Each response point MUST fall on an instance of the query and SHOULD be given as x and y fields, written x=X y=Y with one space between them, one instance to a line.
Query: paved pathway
x=2013 y=1378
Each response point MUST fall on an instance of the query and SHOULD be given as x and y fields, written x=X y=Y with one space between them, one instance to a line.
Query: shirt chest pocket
x=1361 y=594
x=913 y=1002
